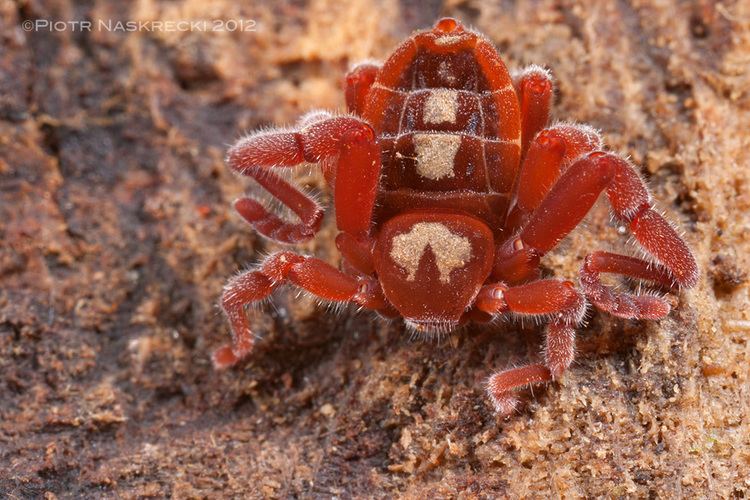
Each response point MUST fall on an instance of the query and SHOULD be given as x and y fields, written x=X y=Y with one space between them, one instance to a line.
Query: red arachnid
x=449 y=186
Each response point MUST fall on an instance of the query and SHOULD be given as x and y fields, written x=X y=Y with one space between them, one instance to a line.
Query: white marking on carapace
x=451 y=250
x=441 y=106
x=435 y=154
x=448 y=39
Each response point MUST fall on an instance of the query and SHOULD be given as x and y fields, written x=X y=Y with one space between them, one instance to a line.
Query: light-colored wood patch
x=435 y=154
x=451 y=250
x=441 y=106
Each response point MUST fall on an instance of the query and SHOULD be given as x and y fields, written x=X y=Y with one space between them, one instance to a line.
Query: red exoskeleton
x=449 y=186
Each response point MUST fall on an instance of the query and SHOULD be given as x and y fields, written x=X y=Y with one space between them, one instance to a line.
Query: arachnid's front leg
x=310 y=274
x=556 y=299
x=350 y=157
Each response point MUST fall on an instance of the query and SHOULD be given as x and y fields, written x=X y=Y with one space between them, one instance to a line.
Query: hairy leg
x=624 y=305
x=554 y=299
x=574 y=194
x=359 y=80
x=350 y=157
x=550 y=153
x=310 y=274
x=535 y=90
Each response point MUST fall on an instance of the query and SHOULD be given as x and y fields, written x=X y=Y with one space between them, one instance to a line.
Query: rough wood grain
x=117 y=235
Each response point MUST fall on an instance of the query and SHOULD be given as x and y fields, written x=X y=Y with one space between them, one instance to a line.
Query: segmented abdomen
x=445 y=132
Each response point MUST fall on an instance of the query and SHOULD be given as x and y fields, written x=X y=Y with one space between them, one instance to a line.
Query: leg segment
x=308 y=273
x=556 y=299
x=535 y=90
x=356 y=252
x=549 y=154
x=350 y=157
x=575 y=193
x=271 y=225
x=358 y=82
x=624 y=305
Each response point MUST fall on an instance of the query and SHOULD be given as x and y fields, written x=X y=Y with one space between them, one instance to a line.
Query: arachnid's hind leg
x=350 y=157
x=552 y=298
x=535 y=89
x=310 y=274
x=358 y=82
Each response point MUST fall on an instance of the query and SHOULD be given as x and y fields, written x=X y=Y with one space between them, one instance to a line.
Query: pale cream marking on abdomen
x=441 y=106
x=436 y=154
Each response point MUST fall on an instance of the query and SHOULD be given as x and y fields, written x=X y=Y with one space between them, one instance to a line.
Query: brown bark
x=117 y=235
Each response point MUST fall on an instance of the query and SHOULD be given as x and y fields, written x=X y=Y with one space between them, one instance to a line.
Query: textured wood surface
x=117 y=235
